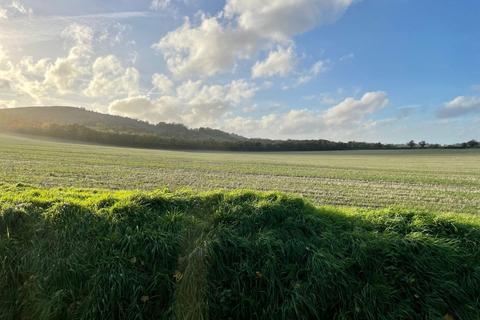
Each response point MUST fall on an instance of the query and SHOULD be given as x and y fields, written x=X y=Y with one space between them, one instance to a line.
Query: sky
x=364 y=70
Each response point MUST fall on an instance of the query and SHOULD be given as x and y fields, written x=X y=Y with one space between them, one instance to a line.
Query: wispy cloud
x=106 y=15
x=45 y=28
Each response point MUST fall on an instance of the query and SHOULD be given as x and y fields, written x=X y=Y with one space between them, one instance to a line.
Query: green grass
x=73 y=247
x=433 y=180
x=86 y=254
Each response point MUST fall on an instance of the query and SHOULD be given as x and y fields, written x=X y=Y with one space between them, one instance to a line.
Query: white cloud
x=81 y=35
x=110 y=78
x=142 y=107
x=239 y=90
x=205 y=50
x=351 y=116
x=317 y=68
x=132 y=106
x=280 y=19
x=4 y=58
x=15 y=9
x=460 y=106
x=300 y=121
x=295 y=122
x=347 y=57
x=78 y=73
x=278 y=63
x=22 y=80
x=3 y=13
x=160 y=4
x=67 y=73
x=192 y=102
x=240 y=30
x=162 y=83
x=35 y=81
x=351 y=110
x=4 y=85
x=115 y=33
x=249 y=126
x=212 y=46
x=205 y=104
x=347 y=118
x=20 y=9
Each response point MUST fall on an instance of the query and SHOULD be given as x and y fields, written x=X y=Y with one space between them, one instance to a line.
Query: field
x=97 y=232
x=432 y=180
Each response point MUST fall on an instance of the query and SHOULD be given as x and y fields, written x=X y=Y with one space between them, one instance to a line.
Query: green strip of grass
x=84 y=254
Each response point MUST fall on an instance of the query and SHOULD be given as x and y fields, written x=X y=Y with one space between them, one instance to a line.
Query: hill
x=82 y=125
x=79 y=124
x=67 y=116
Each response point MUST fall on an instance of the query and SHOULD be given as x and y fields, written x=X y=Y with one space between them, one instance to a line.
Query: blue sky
x=370 y=70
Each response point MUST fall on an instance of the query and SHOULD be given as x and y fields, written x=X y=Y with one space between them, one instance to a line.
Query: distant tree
x=411 y=144
x=473 y=144
x=422 y=144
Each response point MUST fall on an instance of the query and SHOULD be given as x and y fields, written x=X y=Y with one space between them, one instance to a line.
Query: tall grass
x=77 y=254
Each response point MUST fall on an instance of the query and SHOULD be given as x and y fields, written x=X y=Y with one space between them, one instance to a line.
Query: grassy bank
x=84 y=254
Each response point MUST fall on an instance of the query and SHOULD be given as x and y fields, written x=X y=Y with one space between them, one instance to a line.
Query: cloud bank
x=240 y=31
x=460 y=106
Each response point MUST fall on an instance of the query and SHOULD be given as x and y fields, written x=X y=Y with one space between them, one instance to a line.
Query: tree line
x=156 y=141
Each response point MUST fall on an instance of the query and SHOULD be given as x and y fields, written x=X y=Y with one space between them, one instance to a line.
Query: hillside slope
x=78 y=124
x=105 y=122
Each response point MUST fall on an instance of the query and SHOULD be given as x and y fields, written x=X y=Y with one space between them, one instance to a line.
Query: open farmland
x=434 y=180
x=124 y=254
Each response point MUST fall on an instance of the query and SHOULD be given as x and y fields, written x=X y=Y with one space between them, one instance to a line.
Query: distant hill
x=63 y=116
x=82 y=125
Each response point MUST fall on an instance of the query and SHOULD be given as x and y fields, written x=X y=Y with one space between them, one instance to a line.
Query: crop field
x=438 y=180
x=96 y=232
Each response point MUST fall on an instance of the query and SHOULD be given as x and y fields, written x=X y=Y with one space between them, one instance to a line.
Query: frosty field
x=434 y=180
